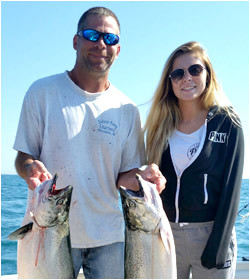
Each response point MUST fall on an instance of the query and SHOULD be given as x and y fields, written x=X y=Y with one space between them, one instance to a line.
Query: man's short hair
x=101 y=11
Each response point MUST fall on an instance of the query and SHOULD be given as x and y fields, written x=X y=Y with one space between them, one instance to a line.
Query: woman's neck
x=193 y=116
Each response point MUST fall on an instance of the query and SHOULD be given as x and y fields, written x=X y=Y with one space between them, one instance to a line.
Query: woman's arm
x=215 y=252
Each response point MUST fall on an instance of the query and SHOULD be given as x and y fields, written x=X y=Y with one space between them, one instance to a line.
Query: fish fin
x=20 y=233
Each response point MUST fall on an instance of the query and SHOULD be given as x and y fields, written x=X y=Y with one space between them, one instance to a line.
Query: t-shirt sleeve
x=28 y=136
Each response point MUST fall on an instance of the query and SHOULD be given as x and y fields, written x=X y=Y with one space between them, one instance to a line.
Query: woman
x=196 y=139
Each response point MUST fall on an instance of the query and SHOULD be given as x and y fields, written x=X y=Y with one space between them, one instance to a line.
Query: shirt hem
x=96 y=244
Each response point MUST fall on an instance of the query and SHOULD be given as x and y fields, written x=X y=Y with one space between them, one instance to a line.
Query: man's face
x=97 y=56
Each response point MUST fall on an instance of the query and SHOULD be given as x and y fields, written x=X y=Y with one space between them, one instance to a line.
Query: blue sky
x=36 y=41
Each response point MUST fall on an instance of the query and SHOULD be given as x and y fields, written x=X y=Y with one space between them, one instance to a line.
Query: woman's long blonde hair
x=164 y=115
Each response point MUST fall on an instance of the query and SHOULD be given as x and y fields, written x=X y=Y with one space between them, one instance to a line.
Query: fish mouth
x=53 y=191
x=131 y=193
x=58 y=191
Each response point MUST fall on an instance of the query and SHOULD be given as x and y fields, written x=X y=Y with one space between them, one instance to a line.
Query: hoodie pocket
x=205 y=189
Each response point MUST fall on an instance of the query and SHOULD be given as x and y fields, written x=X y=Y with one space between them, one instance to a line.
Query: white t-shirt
x=87 y=139
x=185 y=148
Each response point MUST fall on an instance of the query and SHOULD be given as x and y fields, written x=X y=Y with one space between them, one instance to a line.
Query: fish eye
x=59 y=201
x=131 y=204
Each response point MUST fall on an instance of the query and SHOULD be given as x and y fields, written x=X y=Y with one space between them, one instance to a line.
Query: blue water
x=14 y=194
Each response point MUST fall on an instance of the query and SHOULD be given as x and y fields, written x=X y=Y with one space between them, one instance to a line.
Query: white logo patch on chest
x=217 y=137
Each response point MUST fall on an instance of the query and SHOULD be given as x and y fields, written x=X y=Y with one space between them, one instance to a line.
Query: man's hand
x=31 y=170
x=149 y=173
x=36 y=174
x=153 y=174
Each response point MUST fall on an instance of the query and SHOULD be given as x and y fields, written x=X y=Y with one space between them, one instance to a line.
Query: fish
x=149 y=243
x=44 y=249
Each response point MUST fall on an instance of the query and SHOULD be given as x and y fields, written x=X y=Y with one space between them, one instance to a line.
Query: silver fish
x=44 y=249
x=149 y=246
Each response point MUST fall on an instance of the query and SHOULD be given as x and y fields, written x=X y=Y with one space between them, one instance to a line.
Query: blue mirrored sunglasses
x=94 y=35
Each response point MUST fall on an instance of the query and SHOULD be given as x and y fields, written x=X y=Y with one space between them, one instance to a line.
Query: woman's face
x=188 y=87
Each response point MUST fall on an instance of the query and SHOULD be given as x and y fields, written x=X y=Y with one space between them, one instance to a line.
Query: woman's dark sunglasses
x=194 y=70
x=94 y=35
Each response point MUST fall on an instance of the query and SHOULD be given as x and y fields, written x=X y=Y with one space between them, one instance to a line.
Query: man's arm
x=31 y=170
x=150 y=173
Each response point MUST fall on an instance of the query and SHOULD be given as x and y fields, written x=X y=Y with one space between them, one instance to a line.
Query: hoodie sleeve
x=215 y=252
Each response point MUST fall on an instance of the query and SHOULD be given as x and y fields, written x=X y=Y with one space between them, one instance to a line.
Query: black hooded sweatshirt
x=209 y=189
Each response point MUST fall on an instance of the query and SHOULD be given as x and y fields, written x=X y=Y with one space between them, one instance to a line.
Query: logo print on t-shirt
x=192 y=150
x=107 y=127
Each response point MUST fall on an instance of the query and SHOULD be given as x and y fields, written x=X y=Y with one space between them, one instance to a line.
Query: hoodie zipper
x=205 y=189
x=177 y=198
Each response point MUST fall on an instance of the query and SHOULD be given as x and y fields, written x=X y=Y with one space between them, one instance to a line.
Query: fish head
x=139 y=212
x=50 y=206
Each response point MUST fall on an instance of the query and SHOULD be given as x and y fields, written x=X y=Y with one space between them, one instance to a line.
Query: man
x=78 y=125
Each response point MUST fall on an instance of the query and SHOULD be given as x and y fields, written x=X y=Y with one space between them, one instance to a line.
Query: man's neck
x=88 y=82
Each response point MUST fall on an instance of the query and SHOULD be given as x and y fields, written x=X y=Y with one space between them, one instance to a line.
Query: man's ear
x=75 y=42
x=118 y=50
